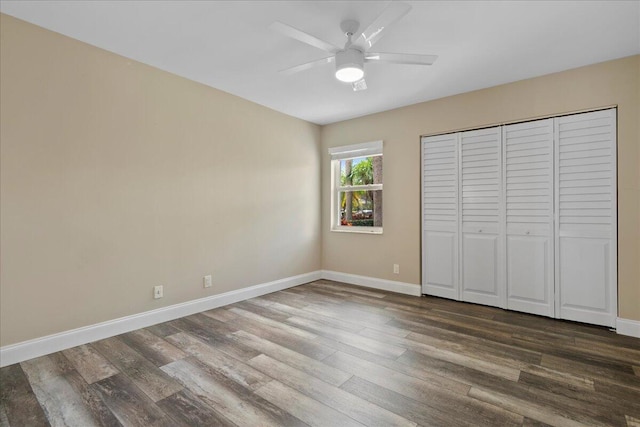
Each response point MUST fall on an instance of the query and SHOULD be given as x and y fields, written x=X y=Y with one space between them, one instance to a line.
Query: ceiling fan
x=351 y=58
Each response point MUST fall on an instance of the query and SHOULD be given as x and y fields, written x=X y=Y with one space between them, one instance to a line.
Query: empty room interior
x=319 y=213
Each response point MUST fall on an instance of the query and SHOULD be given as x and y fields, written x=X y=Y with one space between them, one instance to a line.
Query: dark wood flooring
x=329 y=354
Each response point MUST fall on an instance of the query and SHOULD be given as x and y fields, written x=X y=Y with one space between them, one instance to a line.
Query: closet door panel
x=480 y=273
x=482 y=255
x=586 y=228
x=585 y=275
x=440 y=216
x=530 y=274
x=528 y=178
x=441 y=262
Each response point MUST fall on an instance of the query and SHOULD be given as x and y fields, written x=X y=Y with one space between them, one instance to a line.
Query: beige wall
x=605 y=84
x=116 y=177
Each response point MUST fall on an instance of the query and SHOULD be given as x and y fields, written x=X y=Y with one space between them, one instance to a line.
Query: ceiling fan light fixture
x=349 y=74
x=349 y=65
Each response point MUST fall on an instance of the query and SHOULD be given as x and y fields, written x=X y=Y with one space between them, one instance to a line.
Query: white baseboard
x=628 y=327
x=373 y=282
x=25 y=350
x=623 y=326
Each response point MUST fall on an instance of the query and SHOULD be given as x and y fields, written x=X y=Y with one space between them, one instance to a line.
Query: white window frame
x=346 y=152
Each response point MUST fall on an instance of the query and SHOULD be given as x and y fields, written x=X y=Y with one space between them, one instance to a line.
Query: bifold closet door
x=481 y=226
x=586 y=226
x=440 y=216
x=528 y=195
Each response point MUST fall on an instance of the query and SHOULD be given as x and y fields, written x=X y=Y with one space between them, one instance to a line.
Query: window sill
x=358 y=230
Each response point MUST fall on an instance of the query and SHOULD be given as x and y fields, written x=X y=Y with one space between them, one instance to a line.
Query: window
x=356 y=187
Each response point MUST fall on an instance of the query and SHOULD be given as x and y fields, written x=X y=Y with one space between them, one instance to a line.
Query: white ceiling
x=228 y=45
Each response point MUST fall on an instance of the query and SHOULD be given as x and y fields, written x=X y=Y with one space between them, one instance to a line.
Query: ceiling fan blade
x=359 y=85
x=303 y=37
x=400 y=58
x=394 y=11
x=307 y=65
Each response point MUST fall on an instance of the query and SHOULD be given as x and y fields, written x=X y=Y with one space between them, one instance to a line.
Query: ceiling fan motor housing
x=348 y=62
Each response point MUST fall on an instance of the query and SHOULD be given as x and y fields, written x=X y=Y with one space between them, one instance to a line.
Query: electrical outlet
x=396 y=268
x=158 y=292
x=206 y=281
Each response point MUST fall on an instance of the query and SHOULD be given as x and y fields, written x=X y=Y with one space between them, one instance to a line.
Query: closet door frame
x=607 y=318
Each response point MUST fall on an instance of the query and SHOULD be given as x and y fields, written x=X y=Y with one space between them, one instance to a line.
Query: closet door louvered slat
x=528 y=196
x=481 y=214
x=586 y=228
x=440 y=216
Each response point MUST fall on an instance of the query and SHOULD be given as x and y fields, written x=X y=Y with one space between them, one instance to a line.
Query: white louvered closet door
x=586 y=228
x=482 y=255
x=528 y=195
x=440 y=216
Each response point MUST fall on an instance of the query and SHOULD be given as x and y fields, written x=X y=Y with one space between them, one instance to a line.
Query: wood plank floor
x=330 y=354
